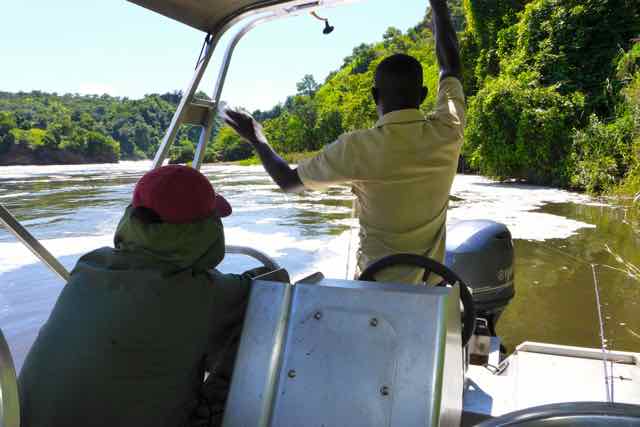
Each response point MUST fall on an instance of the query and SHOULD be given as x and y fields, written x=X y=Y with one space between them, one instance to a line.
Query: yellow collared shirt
x=401 y=172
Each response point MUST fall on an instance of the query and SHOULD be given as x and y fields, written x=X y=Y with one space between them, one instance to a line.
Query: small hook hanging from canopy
x=328 y=29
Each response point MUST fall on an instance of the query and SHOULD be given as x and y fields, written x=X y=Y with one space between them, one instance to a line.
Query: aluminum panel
x=337 y=365
x=338 y=353
x=453 y=377
x=258 y=359
x=363 y=354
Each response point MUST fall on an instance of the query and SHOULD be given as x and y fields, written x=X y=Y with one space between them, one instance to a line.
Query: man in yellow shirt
x=402 y=169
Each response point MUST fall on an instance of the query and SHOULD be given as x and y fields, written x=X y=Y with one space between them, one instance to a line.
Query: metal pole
x=274 y=12
x=205 y=134
x=32 y=243
x=9 y=398
x=187 y=96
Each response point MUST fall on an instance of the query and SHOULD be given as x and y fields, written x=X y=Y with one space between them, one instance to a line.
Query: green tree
x=328 y=128
x=394 y=41
x=30 y=138
x=307 y=86
x=7 y=123
x=603 y=154
x=102 y=148
x=554 y=37
x=182 y=151
x=360 y=59
x=479 y=43
x=228 y=146
x=518 y=131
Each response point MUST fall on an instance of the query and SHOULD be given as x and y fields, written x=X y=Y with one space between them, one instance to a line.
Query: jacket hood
x=198 y=246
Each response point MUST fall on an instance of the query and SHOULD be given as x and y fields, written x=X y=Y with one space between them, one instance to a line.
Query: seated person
x=129 y=337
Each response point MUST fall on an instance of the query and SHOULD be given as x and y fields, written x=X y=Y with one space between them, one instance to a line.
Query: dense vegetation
x=553 y=92
x=37 y=127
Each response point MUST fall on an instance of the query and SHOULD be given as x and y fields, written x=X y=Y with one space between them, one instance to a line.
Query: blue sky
x=98 y=46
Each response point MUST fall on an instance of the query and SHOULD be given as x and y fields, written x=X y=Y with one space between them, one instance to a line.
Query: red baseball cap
x=179 y=195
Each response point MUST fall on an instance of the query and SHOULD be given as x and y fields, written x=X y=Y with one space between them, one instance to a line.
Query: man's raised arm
x=279 y=170
x=446 y=41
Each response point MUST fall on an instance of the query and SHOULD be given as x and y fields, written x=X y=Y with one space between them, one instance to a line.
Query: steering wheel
x=574 y=414
x=430 y=266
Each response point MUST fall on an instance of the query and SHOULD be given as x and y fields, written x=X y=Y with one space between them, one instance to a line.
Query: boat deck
x=538 y=374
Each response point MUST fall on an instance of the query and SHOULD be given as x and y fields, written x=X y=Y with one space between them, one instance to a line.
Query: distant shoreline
x=77 y=160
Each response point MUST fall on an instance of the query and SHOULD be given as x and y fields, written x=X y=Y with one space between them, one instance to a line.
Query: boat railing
x=9 y=399
x=265 y=259
x=24 y=236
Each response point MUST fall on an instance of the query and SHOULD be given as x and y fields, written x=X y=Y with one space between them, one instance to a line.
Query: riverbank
x=293 y=158
x=26 y=157
x=22 y=155
x=627 y=194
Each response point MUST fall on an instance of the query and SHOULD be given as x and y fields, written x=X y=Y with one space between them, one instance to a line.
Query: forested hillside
x=45 y=128
x=553 y=91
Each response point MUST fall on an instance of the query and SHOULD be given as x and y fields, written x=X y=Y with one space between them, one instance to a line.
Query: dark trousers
x=219 y=364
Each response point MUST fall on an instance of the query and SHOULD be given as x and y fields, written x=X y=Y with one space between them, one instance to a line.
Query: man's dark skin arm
x=446 y=41
x=279 y=170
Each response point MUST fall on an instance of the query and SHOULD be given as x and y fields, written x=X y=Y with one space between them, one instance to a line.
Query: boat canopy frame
x=201 y=112
x=214 y=16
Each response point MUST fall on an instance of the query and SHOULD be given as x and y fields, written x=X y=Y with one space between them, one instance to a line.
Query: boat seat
x=339 y=352
x=9 y=399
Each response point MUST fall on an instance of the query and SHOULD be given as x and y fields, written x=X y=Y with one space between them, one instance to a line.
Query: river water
x=558 y=237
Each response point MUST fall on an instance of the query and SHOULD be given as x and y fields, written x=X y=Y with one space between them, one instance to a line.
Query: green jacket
x=126 y=341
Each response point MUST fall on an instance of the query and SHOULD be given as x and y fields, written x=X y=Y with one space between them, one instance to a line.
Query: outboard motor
x=481 y=253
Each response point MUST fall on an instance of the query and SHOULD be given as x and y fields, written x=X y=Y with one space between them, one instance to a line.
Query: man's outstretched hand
x=249 y=129
x=246 y=126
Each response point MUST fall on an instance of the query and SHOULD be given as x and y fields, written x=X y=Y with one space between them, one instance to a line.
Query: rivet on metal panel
x=373 y=322
x=317 y=316
x=292 y=373
x=384 y=390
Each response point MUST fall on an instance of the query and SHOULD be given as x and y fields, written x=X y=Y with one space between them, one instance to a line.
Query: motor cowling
x=481 y=253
